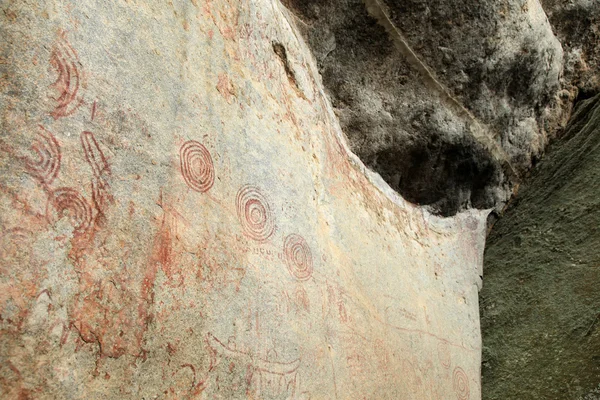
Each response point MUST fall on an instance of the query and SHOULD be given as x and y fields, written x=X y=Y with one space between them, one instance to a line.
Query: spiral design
x=47 y=164
x=444 y=354
x=254 y=213
x=66 y=202
x=298 y=257
x=461 y=384
x=196 y=166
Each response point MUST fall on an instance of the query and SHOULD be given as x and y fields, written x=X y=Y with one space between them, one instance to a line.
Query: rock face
x=577 y=25
x=449 y=101
x=539 y=304
x=452 y=103
x=180 y=216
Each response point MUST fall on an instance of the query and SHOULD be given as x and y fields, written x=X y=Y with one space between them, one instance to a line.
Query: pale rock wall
x=181 y=218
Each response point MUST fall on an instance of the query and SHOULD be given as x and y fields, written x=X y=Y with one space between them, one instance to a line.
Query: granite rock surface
x=451 y=102
x=180 y=217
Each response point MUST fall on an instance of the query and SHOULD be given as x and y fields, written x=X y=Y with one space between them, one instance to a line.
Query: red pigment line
x=94 y=155
x=409 y=330
x=426 y=333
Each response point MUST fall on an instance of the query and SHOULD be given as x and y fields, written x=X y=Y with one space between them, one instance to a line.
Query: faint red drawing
x=298 y=257
x=46 y=165
x=93 y=110
x=12 y=382
x=461 y=384
x=94 y=155
x=254 y=213
x=14 y=242
x=100 y=169
x=331 y=293
x=19 y=276
x=355 y=361
x=264 y=377
x=218 y=264
x=444 y=354
x=342 y=310
x=67 y=202
x=100 y=196
x=196 y=166
x=65 y=62
x=65 y=330
x=218 y=275
x=302 y=301
x=358 y=356
x=246 y=31
x=226 y=20
x=336 y=302
x=382 y=355
x=180 y=387
x=225 y=87
x=284 y=302
x=410 y=375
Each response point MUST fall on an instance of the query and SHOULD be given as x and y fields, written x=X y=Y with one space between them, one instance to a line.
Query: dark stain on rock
x=446 y=175
x=280 y=51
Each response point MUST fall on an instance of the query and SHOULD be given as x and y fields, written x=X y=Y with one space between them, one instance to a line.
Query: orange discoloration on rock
x=107 y=291
x=105 y=317
x=225 y=87
x=20 y=275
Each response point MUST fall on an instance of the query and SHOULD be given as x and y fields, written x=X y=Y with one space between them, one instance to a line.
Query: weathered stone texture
x=451 y=107
x=539 y=303
x=180 y=218
x=577 y=25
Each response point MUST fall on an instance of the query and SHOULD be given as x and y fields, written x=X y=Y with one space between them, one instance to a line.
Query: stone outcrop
x=451 y=102
x=539 y=304
x=180 y=217
x=288 y=198
x=577 y=25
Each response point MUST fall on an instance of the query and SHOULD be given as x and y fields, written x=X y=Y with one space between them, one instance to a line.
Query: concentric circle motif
x=196 y=166
x=461 y=384
x=298 y=257
x=65 y=62
x=47 y=164
x=254 y=213
x=444 y=354
x=66 y=202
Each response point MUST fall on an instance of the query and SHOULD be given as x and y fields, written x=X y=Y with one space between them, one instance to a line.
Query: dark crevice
x=584 y=94
x=280 y=51
x=447 y=176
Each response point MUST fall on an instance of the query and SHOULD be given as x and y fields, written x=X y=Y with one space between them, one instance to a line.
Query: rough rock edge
x=439 y=224
x=478 y=130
